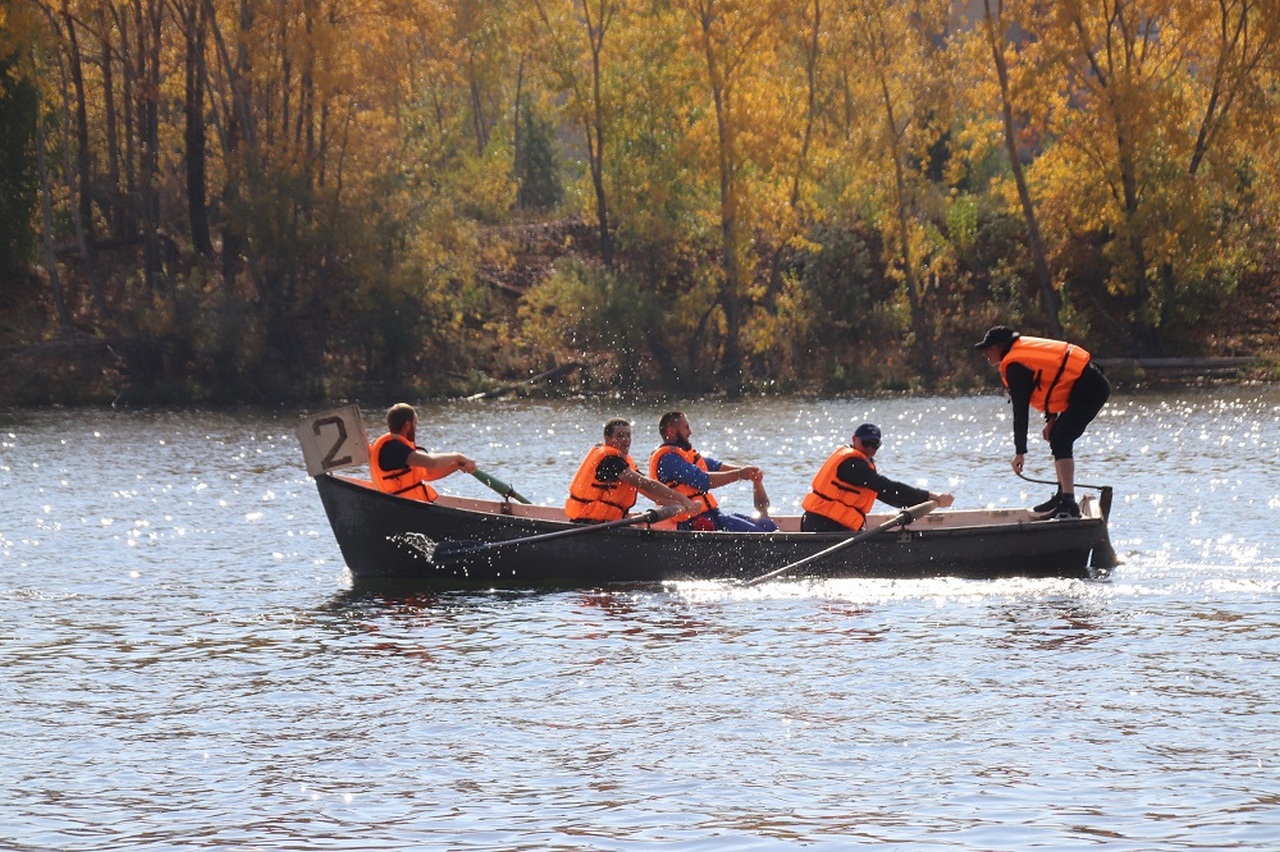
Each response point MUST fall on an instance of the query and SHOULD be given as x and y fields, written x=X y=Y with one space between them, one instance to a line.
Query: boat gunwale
x=986 y=519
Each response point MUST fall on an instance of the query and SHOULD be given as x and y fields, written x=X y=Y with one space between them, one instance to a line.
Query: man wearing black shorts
x=1059 y=379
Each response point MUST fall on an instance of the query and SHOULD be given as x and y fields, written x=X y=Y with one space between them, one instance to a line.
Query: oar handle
x=917 y=511
x=505 y=490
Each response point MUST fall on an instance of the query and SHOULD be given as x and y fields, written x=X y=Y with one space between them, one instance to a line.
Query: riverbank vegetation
x=222 y=200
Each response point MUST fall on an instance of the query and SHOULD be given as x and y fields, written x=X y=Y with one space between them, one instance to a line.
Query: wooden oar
x=498 y=485
x=453 y=551
x=906 y=516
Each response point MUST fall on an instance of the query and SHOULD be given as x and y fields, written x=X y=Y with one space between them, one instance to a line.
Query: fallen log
x=554 y=373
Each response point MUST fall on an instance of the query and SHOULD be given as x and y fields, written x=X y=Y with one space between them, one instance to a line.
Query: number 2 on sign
x=331 y=460
x=333 y=439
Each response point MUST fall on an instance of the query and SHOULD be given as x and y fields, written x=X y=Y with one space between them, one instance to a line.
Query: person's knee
x=735 y=522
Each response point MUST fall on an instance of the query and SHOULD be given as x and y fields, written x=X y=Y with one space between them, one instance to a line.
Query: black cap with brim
x=867 y=431
x=1000 y=335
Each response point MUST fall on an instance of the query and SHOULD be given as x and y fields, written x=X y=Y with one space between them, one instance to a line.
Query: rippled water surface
x=185 y=664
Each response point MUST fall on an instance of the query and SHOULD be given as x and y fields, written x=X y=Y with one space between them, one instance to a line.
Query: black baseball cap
x=867 y=431
x=999 y=334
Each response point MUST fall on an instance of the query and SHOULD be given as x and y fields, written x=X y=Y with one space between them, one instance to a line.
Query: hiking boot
x=1067 y=508
x=1048 y=505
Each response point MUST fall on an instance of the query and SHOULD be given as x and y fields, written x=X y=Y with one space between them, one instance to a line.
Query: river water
x=184 y=663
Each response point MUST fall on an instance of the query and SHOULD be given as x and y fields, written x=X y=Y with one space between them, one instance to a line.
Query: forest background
x=221 y=201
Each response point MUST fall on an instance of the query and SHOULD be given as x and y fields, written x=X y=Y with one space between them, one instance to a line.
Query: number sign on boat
x=332 y=440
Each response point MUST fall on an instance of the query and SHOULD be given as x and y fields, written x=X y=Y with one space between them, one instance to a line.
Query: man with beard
x=399 y=466
x=679 y=466
x=607 y=481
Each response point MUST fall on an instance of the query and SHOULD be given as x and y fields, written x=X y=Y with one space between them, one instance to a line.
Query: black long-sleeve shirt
x=1021 y=381
x=856 y=471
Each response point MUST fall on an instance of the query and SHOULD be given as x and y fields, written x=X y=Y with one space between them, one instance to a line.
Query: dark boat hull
x=386 y=537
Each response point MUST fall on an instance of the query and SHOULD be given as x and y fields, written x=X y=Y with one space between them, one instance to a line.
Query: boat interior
x=939 y=518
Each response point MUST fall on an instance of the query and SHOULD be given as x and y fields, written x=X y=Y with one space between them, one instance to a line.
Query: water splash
x=415 y=543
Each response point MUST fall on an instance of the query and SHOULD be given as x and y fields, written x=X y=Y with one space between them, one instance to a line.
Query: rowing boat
x=460 y=541
x=466 y=542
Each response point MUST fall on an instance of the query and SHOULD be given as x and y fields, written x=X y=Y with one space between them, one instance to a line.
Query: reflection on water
x=1047 y=625
x=186 y=664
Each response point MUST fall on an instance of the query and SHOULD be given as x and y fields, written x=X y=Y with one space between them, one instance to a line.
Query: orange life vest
x=694 y=458
x=408 y=482
x=1056 y=366
x=590 y=499
x=836 y=499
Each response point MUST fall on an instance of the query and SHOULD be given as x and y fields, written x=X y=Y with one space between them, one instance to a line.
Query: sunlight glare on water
x=186 y=663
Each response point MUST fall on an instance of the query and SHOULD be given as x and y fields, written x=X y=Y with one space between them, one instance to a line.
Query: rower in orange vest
x=399 y=466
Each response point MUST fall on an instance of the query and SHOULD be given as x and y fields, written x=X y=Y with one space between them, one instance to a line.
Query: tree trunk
x=83 y=159
x=65 y=325
x=195 y=134
x=111 y=197
x=595 y=141
x=923 y=348
x=147 y=20
x=1035 y=243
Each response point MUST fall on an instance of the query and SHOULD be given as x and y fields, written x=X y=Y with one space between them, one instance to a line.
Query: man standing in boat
x=847 y=486
x=399 y=466
x=608 y=481
x=1059 y=379
x=676 y=464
